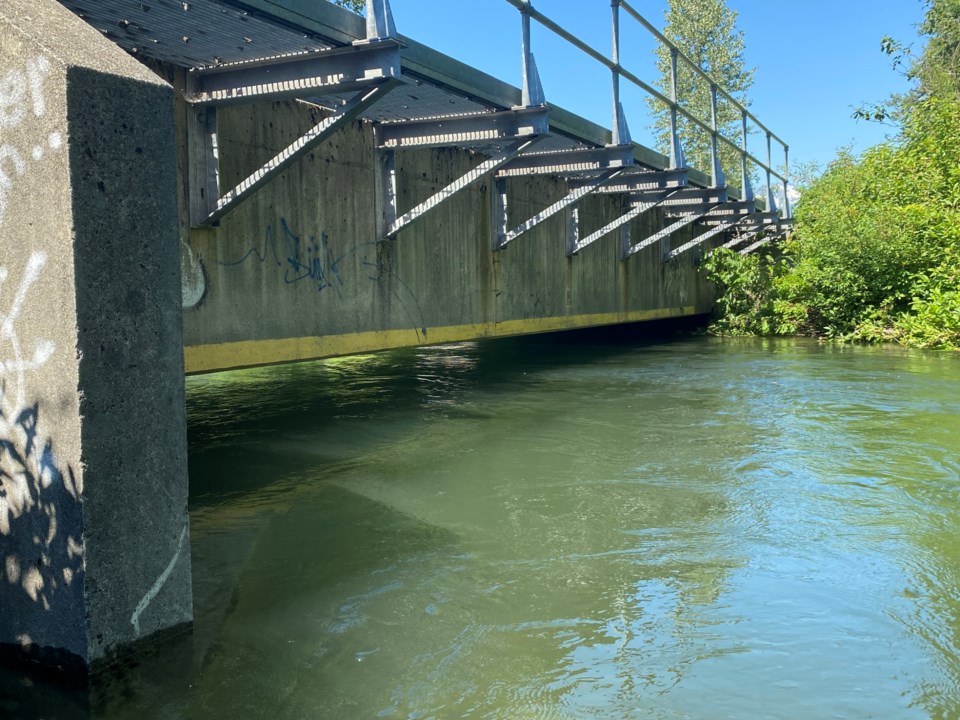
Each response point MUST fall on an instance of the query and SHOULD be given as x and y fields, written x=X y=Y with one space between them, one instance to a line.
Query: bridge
x=188 y=187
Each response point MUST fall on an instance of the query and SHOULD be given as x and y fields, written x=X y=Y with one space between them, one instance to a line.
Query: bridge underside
x=344 y=189
x=297 y=271
x=353 y=192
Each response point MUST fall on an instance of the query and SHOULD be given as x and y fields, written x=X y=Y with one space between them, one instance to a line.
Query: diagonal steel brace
x=702 y=238
x=669 y=230
x=487 y=167
x=651 y=201
x=558 y=206
x=316 y=135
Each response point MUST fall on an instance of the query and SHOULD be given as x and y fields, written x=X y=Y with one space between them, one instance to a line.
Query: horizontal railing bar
x=526 y=7
x=696 y=68
x=559 y=30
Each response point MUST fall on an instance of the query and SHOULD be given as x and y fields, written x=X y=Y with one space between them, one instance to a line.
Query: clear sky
x=816 y=59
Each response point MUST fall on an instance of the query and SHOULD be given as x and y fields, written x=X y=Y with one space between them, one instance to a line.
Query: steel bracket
x=505 y=237
x=644 y=181
x=322 y=72
x=725 y=225
x=392 y=222
x=637 y=208
x=760 y=243
x=504 y=125
x=578 y=160
x=669 y=230
x=207 y=207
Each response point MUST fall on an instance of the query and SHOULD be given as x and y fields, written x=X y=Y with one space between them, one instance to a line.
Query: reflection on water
x=547 y=528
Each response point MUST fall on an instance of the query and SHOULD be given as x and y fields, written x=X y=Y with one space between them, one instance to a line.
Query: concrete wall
x=296 y=271
x=93 y=486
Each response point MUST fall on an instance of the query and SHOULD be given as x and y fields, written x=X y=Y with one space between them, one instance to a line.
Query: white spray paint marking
x=194 y=282
x=13 y=95
x=22 y=93
x=18 y=365
x=152 y=592
x=37 y=69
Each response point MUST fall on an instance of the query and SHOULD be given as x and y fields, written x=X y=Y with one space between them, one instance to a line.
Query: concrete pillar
x=94 y=542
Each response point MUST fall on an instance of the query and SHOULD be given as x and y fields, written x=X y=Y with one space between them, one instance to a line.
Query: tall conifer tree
x=706 y=31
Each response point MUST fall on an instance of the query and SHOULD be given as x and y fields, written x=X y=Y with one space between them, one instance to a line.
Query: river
x=571 y=527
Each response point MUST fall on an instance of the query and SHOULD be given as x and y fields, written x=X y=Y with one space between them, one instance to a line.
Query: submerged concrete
x=93 y=485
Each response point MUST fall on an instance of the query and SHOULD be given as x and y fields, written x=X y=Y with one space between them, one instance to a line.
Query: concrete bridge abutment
x=94 y=538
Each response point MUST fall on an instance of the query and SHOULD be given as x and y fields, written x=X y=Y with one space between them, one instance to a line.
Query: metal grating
x=191 y=33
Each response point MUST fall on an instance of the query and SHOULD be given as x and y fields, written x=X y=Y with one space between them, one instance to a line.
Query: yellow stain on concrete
x=252 y=353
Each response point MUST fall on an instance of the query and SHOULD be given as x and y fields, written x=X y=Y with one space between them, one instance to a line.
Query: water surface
x=564 y=529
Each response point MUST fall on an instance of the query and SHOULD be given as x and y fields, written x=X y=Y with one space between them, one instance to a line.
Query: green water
x=563 y=529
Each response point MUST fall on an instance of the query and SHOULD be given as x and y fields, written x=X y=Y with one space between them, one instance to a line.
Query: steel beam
x=645 y=181
x=737 y=208
x=651 y=201
x=504 y=125
x=691 y=198
x=323 y=72
x=486 y=168
x=316 y=135
x=578 y=160
x=748 y=233
x=756 y=218
x=571 y=198
x=203 y=163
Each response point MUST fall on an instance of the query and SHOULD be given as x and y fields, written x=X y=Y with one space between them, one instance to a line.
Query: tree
x=356 y=5
x=706 y=31
x=875 y=251
x=938 y=68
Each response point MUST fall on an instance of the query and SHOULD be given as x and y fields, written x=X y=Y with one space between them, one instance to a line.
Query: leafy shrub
x=875 y=252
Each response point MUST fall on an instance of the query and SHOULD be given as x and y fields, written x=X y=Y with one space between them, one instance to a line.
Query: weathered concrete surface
x=93 y=526
x=296 y=271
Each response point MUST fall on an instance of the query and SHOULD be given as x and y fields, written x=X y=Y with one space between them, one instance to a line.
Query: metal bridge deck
x=213 y=33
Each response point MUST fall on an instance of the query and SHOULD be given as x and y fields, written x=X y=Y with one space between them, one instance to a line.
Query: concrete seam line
x=152 y=592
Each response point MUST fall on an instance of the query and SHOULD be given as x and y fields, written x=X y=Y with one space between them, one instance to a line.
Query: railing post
x=786 y=176
x=676 y=149
x=771 y=199
x=717 y=169
x=380 y=23
x=532 y=89
x=745 y=183
x=621 y=133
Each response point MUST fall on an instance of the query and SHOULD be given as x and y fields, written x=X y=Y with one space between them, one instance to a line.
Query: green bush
x=875 y=251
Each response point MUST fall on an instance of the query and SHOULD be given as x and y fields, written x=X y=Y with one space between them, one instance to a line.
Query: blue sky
x=816 y=59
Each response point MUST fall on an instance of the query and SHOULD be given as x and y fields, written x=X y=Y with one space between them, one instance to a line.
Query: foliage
x=938 y=69
x=706 y=31
x=744 y=292
x=356 y=5
x=876 y=250
x=875 y=253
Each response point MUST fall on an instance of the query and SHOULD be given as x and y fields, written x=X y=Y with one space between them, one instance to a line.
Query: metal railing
x=711 y=127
